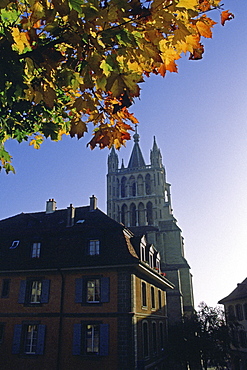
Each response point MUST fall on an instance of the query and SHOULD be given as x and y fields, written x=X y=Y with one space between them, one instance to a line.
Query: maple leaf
x=68 y=63
x=226 y=16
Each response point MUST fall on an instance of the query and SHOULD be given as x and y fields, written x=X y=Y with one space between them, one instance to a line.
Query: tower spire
x=136 y=158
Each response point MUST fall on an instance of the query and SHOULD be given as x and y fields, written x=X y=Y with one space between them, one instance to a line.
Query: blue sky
x=199 y=119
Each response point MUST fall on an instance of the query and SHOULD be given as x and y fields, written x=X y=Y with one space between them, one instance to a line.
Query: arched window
x=239 y=312
x=154 y=335
x=123 y=187
x=132 y=214
x=124 y=214
x=139 y=185
x=150 y=213
x=145 y=339
x=141 y=214
x=148 y=184
x=117 y=188
x=132 y=186
x=162 y=336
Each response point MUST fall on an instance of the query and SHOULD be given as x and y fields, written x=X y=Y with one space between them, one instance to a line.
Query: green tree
x=200 y=340
x=65 y=63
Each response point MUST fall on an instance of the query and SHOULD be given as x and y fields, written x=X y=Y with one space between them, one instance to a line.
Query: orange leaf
x=204 y=26
x=226 y=16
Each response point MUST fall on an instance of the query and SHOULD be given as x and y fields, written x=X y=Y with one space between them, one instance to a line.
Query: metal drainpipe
x=60 y=330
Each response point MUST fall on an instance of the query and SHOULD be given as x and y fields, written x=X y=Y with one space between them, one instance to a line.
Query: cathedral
x=139 y=197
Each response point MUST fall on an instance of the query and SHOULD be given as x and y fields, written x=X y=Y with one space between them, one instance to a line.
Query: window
x=34 y=292
x=151 y=257
x=90 y=290
x=2 y=325
x=14 y=244
x=152 y=297
x=93 y=290
x=245 y=311
x=161 y=336
x=93 y=249
x=5 y=288
x=91 y=339
x=159 y=299
x=145 y=339
x=239 y=312
x=154 y=337
x=243 y=339
x=143 y=252
x=36 y=250
x=29 y=339
x=144 y=294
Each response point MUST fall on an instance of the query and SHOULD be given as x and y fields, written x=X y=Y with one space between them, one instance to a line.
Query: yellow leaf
x=20 y=39
x=37 y=141
x=188 y=4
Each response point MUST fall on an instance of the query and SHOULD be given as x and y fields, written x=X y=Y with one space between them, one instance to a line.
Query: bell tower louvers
x=139 y=196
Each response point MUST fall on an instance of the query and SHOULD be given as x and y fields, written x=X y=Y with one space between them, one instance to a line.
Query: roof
x=136 y=158
x=63 y=246
x=238 y=293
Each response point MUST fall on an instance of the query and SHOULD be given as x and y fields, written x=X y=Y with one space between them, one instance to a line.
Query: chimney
x=51 y=206
x=70 y=215
x=93 y=203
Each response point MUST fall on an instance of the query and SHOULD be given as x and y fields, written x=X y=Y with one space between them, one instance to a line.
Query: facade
x=79 y=291
x=139 y=197
x=235 y=305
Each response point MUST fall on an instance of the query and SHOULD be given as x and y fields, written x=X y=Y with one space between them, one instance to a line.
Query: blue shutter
x=45 y=291
x=77 y=339
x=78 y=290
x=41 y=340
x=104 y=340
x=17 y=339
x=104 y=289
x=22 y=291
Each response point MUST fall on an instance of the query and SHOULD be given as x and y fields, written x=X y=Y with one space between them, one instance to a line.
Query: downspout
x=60 y=329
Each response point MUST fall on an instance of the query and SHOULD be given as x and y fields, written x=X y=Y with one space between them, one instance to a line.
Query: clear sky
x=199 y=119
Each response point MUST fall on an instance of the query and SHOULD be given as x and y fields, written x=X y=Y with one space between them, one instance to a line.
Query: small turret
x=155 y=156
x=112 y=161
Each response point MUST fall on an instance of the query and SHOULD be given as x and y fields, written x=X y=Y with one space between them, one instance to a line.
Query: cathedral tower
x=139 y=196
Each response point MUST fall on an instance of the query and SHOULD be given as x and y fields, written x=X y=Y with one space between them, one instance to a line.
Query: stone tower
x=139 y=196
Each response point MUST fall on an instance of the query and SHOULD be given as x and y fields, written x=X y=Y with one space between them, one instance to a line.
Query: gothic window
x=154 y=335
x=124 y=214
x=140 y=185
x=144 y=294
x=145 y=339
x=141 y=214
x=132 y=185
x=117 y=188
x=118 y=214
x=123 y=187
x=148 y=184
x=150 y=213
x=132 y=214
x=239 y=312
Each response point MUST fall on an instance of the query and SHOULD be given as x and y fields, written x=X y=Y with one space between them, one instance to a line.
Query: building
x=139 y=196
x=79 y=291
x=235 y=305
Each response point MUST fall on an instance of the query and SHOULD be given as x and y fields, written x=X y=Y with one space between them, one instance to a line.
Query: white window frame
x=95 y=290
x=93 y=247
x=31 y=339
x=35 y=291
x=36 y=250
x=92 y=339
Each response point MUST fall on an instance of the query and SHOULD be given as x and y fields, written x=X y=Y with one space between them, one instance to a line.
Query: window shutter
x=77 y=339
x=41 y=340
x=45 y=291
x=104 y=340
x=17 y=339
x=105 y=284
x=78 y=290
x=22 y=291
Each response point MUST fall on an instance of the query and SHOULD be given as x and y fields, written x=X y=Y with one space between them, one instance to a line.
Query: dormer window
x=151 y=257
x=14 y=244
x=93 y=247
x=36 y=250
x=158 y=262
